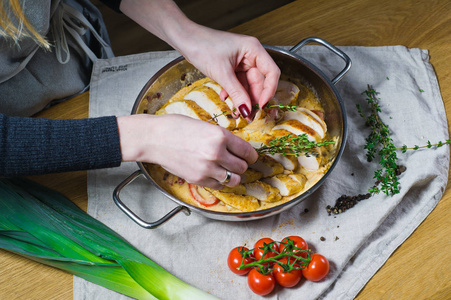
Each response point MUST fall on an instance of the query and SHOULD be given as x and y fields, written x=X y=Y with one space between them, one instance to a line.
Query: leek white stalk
x=43 y=225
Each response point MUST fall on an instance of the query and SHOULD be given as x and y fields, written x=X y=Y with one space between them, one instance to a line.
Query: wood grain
x=420 y=267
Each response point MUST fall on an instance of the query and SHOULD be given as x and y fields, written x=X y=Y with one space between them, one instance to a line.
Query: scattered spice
x=306 y=210
x=322 y=239
x=336 y=238
x=346 y=202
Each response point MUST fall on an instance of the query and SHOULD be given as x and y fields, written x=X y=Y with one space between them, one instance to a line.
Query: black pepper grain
x=345 y=202
x=322 y=239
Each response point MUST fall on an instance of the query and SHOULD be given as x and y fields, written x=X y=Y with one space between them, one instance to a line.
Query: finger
x=255 y=80
x=243 y=150
x=233 y=180
x=223 y=95
x=269 y=69
x=236 y=92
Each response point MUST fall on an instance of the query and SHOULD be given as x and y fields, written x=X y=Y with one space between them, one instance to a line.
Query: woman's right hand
x=197 y=151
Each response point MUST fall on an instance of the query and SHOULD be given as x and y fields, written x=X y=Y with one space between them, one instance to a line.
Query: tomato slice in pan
x=202 y=196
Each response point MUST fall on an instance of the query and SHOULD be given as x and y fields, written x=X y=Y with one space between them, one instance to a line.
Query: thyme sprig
x=224 y=113
x=279 y=106
x=295 y=261
x=292 y=145
x=429 y=145
x=380 y=143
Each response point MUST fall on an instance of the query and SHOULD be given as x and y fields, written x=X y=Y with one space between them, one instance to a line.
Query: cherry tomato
x=234 y=261
x=202 y=196
x=259 y=283
x=317 y=269
x=298 y=242
x=258 y=252
x=286 y=279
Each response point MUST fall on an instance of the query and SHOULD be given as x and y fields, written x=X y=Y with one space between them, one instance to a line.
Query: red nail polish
x=244 y=111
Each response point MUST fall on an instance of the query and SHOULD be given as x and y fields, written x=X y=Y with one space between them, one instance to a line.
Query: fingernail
x=244 y=111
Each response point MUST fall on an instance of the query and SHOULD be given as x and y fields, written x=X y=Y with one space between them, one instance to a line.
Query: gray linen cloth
x=357 y=242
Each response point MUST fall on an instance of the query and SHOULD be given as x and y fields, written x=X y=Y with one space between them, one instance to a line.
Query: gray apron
x=32 y=78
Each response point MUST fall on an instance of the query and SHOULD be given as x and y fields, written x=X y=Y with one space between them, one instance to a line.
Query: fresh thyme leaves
x=379 y=143
x=292 y=145
x=284 y=107
x=224 y=113
x=280 y=106
x=429 y=145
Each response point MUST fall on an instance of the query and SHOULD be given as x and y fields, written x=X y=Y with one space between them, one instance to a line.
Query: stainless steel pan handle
x=132 y=215
x=331 y=48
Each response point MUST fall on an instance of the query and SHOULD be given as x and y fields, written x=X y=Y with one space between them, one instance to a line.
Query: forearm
x=31 y=146
x=163 y=18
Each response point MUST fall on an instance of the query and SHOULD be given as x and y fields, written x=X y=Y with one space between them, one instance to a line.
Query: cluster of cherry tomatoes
x=271 y=262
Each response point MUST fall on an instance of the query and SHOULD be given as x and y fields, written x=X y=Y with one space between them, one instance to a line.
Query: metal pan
x=178 y=73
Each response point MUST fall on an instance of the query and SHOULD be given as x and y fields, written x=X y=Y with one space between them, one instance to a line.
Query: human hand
x=197 y=151
x=239 y=63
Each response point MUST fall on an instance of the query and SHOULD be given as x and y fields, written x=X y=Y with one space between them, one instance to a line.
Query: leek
x=43 y=225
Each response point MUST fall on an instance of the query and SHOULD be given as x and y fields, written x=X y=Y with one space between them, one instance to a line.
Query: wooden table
x=421 y=267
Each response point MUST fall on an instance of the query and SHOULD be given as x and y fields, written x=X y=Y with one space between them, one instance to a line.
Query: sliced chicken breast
x=286 y=93
x=263 y=191
x=314 y=116
x=286 y=184
x=298 y=128
x=239 y=122
x=188 y=108
x=207 y=98
x=310 y=162
x=306 y=119
x=289 y=162
x=268 y=166
x=242 y=203
x=251 y=175
x=239 y=189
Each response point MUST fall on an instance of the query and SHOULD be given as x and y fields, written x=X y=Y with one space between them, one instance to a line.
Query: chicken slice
x=310 y=162
x=289 y=162
x=239 y=189
x=242 y=203
x=207 y=98
x=268 y=166
x=307 y=119
x=251 y=175
x=314 y=116
x=187 y=108
x=286 y=93
x=263 y=191
x=286 y=184
x=239 y=122
x=298 y=128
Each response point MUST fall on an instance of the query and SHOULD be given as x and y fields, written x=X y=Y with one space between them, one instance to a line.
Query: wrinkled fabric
x=357 y=242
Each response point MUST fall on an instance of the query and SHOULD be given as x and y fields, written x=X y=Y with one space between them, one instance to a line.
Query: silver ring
x=227 y=178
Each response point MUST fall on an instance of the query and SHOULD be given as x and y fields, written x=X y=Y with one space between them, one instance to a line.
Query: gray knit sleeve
x=32 y=146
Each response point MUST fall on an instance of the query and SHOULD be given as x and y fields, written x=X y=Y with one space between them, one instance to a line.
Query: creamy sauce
x=259 y=131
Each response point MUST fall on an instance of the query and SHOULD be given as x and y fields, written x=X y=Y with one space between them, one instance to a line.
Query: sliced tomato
x=202 y=196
